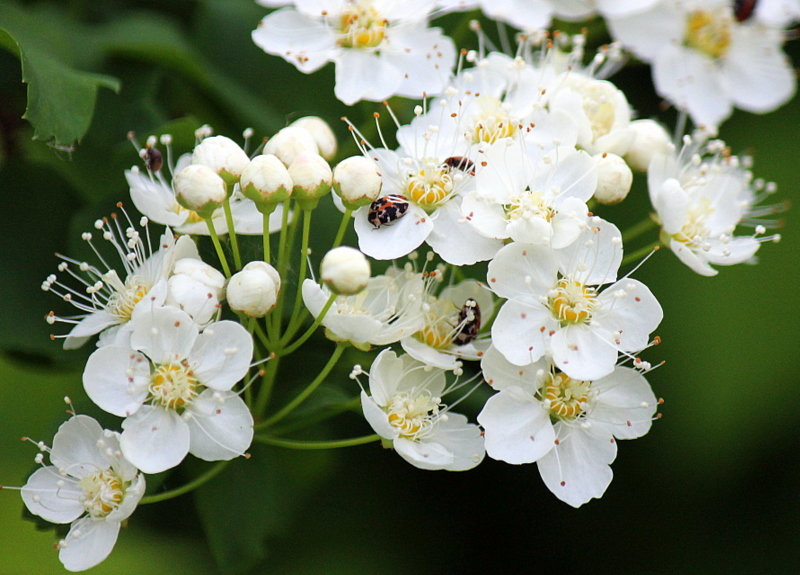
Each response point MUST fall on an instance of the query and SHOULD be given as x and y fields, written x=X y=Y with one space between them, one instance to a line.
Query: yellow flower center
x=122 y=302
x=694 y=231
x=492 y=122
x=528 y=205
x=361 y=26
x=572 y=302
x=440 y=324
x=566 y=396
x=431 y=185
x=598 y=105
x=173 y=386
x=412 y=416
x=709 y=32
x=103 y=491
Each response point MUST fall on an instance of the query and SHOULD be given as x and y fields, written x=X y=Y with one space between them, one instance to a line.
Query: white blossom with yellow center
x=705 y=62
x=380 y=48
x=173 y=387
x=404 y=406
x=701 y=195
x=568 y=426
x=88 y=484
x=556 y=306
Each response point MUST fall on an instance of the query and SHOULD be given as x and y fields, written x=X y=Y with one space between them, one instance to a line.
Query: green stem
x=297 y=315
x=191 y=486
x=312 y=328
x=638 y=229
x=310 y=388
x=226 y=206
x=267 y=383
x=639 y=254
x=265 y=236
x=301 y=444
x=276 y=316
x=218 y=247
x=352 y=405
x=346 y=217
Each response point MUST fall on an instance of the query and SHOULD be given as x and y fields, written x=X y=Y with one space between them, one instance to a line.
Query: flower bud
x=649 y=138
x=356 y=181
x=266 y=181
x=253 y=291
x=311 y=176
x=614 y=179
x=222 y=155
x=196 y=288
x=345 y=270
x=322 y=134
x=200 y=189
x=289 y=142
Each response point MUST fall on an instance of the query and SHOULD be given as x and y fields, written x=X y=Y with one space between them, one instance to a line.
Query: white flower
x=452 y=325
x=108 y=299
x=555 y=305
x=405 y=406
x=381 y=48
x=222 y=155
x=254 y=289
x=387 y=310
x=568 y=426
x=524 y=14
x=345 y=270
x=172 y=386
x=700 y=196
x=533 y=201
x=614 y=179
x=705 y=61
x=196 y=288
x=90 y=485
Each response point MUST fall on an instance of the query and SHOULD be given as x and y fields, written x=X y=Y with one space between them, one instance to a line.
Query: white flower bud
x=254 y=290
x=311 y=176
x=321 y=132
x=345 y=270
x=196 y=288
x=222 y=155
x=266 y=180
x=614 y=179
x=289 y=142
x=649 y=138
x=200 y=189
x=357 y=181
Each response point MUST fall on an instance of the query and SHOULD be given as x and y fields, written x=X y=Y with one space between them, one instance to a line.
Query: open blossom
x=380 y=48
x=566 y=425
x=452 y=325
x=556 y=305
x=109 y=299
x=173 y=387
x=706 y=61
x=388 y=309
x=700 y=196
x=405 y=407
x=88 y=484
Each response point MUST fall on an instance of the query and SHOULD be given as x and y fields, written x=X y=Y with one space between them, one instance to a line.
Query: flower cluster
x=523 y=302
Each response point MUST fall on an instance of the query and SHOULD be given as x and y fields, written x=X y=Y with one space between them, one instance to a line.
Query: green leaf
x=61 y=98
x=255 y=501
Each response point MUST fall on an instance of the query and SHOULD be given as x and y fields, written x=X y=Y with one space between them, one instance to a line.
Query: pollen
x=709 y=33
x=361 y=26
x=572 y=302
x=566 y=396
x=412 y=416
x=103 y=491
x=173 y=386
x=431 y=185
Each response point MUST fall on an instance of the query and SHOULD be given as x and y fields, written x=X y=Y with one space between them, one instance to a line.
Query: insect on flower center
x=412 y=416
x=492 y=122
x=565 y=396
x=173 y=386
x=431 y=185
x=361 y=26
x=440 y=327
x=709 y=32
x=103 y=491
x=125 y=298
x=571 y=302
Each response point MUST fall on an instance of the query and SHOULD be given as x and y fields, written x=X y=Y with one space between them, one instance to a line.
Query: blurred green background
x=712 y=489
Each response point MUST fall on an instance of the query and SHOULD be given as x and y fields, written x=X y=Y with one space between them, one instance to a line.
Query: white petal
x=501 y=373
x=52 y=497
x=455 y=239
x=377 y=417
x=517 y=427
x=522 y=270
x=75 y=448
x=88 y=543
x=88 y=326
x=425 y=57
x=362 y=75
x=303 y=41
x=462 y=439
x=581 y=353
x=221 y=354
x=521 y=330
x=154 y=439
x=166 y=335
x=395 y=240
x=220 y=426
x=428 y=355
x=578 y=468
x=631 y=312
x=116 y=379
x=625 y=404
x=424 y=454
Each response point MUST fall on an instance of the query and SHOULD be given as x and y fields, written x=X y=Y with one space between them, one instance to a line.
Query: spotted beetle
x=460 y=163
x=469 y=322
x=387 y=210
x=743 y=9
